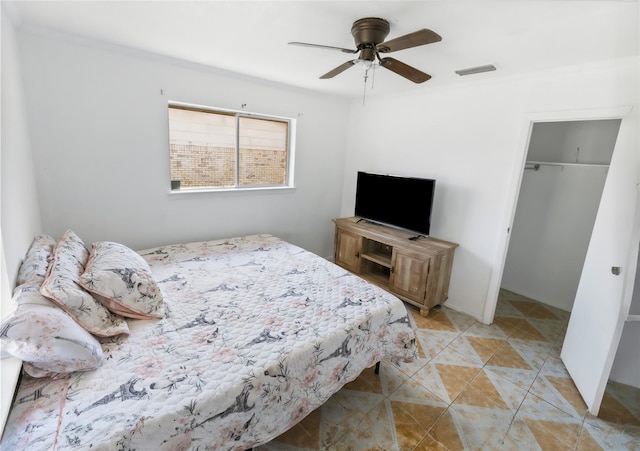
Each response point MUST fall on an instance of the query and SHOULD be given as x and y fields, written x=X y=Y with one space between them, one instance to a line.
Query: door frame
x=515 y=185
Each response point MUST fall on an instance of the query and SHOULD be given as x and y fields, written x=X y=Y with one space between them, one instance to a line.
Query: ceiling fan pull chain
x=373 y=76
x=364 y=91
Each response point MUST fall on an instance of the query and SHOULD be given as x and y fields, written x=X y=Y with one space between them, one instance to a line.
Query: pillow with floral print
x=122 y=280
x=36 y=262
x=46 y=339
x=61 y=286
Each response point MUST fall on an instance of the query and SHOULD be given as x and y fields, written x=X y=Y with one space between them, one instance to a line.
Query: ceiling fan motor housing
x=368 y=33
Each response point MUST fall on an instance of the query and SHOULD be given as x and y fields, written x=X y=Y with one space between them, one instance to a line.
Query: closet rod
x=535 y=165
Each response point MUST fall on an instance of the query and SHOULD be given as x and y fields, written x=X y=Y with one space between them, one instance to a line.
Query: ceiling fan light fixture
x=366 y=65
x=476 y=70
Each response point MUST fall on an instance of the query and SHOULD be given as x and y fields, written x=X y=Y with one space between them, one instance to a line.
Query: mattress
x=257 y=333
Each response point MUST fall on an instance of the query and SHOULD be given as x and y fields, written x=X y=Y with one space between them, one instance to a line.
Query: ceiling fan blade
x=415 y=39
x=305 y=44
x=341 y=68
x=404 y=70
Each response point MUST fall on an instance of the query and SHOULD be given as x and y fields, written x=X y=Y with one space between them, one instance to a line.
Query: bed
x=255 y=333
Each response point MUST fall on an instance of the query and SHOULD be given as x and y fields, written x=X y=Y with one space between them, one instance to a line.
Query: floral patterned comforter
x=257 y=333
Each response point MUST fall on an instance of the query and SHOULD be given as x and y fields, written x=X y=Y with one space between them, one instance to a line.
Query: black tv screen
x=403 y=202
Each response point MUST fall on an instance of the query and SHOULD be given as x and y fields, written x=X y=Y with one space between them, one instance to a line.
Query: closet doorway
x=600 y=296
x=562 y=184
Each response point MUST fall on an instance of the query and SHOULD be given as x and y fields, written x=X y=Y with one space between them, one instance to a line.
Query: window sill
x=187 y=191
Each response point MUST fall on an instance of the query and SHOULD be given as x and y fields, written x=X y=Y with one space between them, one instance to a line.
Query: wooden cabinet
x=348 y=246
x=409 y=274
x=415 y=270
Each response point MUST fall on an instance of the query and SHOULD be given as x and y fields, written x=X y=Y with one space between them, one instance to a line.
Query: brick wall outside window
x=202 y=166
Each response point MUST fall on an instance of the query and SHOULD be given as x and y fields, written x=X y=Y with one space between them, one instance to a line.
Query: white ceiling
x=251 y=37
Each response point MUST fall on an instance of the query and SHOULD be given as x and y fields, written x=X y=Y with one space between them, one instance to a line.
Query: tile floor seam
x=513 y=418
x=441 y=382
x=389 y=410
x=515 y=411
x=506 y=341
x=444 y=412
x=440 y=351
x=437 y=441
x=580 y=434
x=342 y=436
x=582 y=420
x=562 y=409
x=536 y=378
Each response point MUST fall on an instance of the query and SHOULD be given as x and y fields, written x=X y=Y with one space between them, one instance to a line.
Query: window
x=218 y=149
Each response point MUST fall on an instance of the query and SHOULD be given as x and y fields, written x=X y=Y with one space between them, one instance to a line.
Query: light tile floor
x=498 y=387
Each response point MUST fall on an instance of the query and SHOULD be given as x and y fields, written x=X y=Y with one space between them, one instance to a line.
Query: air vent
x=476 y=70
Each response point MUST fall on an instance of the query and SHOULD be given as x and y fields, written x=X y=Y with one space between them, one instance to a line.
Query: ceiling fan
x=369 y=35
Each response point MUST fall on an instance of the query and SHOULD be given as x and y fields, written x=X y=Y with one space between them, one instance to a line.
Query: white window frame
x=291 y=136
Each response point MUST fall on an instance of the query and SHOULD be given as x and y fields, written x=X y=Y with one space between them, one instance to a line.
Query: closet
x=562 y=184
x=567 y=164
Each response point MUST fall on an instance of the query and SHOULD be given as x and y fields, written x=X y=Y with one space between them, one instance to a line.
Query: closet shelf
x=535 y=165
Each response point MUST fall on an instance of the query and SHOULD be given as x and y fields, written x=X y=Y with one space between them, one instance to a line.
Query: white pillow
x=61 y=287
x=36 y=262
x=45 y=338
x=122 y=280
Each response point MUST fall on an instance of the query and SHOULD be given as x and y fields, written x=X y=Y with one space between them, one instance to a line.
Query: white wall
x=472 y=138
x=100 y=140
x=19 y=201
x=20 y=215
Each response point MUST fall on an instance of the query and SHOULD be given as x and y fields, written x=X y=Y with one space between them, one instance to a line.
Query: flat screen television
x=402 y=202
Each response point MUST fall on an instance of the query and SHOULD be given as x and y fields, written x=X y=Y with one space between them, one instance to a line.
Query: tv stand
x=415 y=270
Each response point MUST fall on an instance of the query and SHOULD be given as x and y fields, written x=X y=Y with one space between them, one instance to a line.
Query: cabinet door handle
x=357 y=254
x=392 y=269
